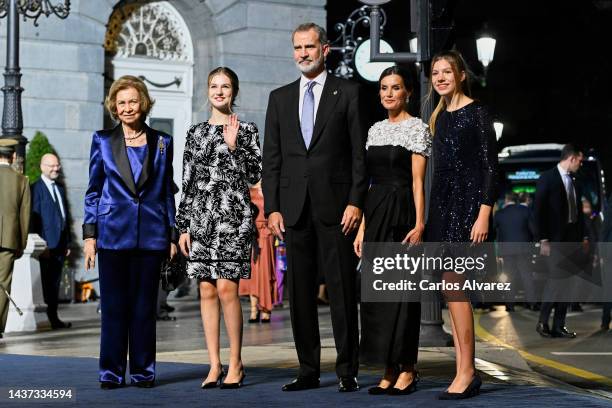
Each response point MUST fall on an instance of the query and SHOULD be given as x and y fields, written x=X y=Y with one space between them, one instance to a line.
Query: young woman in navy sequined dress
x=462 y=194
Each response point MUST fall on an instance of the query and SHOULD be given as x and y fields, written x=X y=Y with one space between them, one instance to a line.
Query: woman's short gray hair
x=311 y=26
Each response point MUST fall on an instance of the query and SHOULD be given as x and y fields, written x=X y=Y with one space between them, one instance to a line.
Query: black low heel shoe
x=472 y=390
x=213 y=384
x=409 y=389
x=233 y=386
x=378 y=390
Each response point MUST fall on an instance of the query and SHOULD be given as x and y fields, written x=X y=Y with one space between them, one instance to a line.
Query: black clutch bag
x=172 y=274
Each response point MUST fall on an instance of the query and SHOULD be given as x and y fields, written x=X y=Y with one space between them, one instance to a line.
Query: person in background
x=463 y=192
x=129 y=223
x=14 y=221
x=514 y=233
x=50 y=221
x=559 y=218
x=394 y=211
x=215 y=219
x=261 y=287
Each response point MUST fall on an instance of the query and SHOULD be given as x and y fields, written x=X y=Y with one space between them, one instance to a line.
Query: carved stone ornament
x=151 y=30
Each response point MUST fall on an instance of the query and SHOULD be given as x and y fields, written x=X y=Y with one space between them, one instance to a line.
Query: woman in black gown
x=397 y=150
x=462 y=194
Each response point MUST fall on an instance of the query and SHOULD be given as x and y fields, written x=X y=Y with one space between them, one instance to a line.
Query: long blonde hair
x=458 y=65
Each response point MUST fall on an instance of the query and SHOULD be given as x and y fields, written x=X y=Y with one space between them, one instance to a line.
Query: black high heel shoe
x=254 y=320
x=213 y=384
x=409 y=389
x=472 y=390
x=233 y=386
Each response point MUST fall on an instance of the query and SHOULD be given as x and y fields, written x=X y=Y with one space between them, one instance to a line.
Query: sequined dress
x=390 y=330
x=465 y=172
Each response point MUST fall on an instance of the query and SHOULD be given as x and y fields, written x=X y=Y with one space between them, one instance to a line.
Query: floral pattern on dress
x=412 y=134
x=215 y=205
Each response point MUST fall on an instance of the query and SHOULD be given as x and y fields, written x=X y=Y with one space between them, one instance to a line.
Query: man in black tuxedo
x=49 y=220
x=558 y=216
x=514 y=235
x=314 y=185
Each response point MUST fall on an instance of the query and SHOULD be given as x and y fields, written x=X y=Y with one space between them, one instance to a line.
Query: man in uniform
x=14 y=221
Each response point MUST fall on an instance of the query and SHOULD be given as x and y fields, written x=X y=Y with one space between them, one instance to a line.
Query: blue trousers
x=129 y=280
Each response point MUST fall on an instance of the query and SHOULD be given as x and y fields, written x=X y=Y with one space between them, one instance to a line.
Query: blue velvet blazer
x=123 y=213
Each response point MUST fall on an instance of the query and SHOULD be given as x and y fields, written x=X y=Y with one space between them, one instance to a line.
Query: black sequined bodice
x=465 y=172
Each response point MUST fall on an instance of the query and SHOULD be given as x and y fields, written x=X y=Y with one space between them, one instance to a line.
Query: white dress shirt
x=50 y=186
x=317 y=90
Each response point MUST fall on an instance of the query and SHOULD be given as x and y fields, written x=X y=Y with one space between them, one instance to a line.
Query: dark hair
x=523 y=197
x=233 y=80
x=405 y=74
x=6 y=154
x=511 y=196
x=311 y=26
x=570 y=150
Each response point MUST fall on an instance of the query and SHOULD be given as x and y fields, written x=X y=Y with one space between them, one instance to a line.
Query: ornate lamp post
x=12 y=117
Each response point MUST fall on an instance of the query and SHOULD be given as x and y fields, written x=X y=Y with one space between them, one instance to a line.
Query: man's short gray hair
x=311 y=26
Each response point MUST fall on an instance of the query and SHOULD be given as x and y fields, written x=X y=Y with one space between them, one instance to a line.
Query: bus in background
x=520 y=168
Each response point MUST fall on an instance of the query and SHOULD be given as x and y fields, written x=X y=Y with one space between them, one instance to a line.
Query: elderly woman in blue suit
x=129 y=223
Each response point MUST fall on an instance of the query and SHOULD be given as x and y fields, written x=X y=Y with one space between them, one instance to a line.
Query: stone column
x=26 y=290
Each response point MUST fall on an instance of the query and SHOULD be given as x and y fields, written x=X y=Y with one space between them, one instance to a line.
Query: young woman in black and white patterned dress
x=215 y=219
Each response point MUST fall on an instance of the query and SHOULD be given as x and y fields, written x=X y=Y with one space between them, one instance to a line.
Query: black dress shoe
x=302 y=383
x=109 y=385
x=348 y=384
x=563 y=333
x=145 y=384
x=471 y=391
x=167 y=307
x=58 y=324
x=543 y=330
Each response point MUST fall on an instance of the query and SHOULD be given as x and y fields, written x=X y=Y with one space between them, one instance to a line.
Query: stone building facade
x=68 y=65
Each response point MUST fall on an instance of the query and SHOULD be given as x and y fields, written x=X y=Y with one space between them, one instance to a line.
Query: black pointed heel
x=233 y=386
x=472 y=390
x=213 y=384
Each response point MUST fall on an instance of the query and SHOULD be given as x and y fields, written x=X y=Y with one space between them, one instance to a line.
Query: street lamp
x=499 y=128
x=485 y=47
x=12 y=117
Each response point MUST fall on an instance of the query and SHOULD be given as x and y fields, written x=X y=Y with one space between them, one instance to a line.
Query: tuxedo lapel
x=147 y=167
x=329 y=98
x=120 y=156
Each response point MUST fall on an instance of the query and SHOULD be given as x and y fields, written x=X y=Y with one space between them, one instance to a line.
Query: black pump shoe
x=409 y=389
x=472 y=390
x=213 y=384
x=233 y=386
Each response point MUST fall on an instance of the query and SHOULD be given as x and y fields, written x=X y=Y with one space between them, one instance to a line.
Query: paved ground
x=501 y=359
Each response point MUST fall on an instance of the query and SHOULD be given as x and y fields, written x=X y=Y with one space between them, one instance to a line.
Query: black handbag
x=172 y=274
